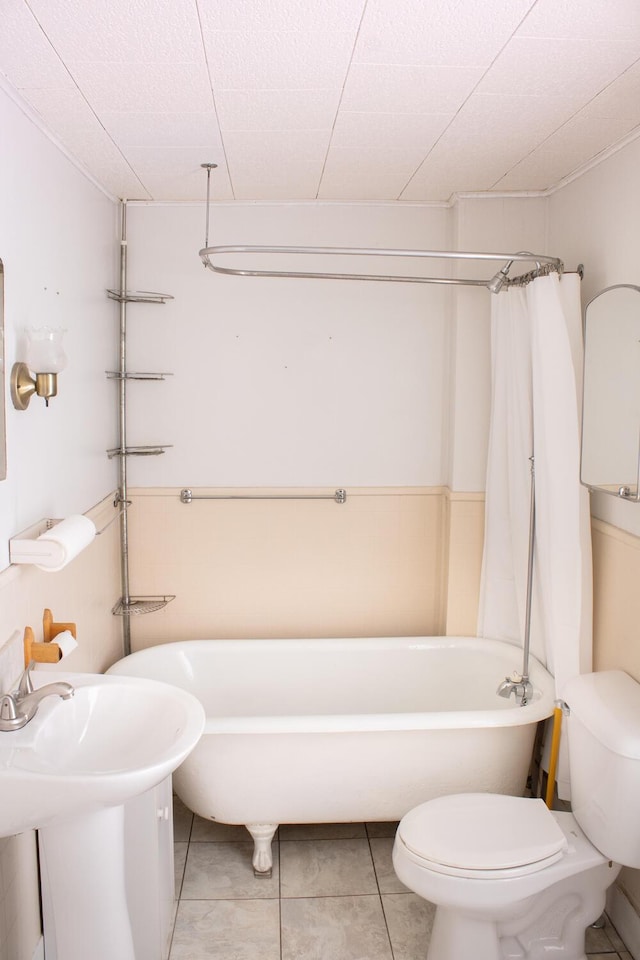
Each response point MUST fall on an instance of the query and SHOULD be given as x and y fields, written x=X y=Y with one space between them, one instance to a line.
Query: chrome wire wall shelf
x=138 y=296
x=137 y=375
x=150 y=451
x=135 y=606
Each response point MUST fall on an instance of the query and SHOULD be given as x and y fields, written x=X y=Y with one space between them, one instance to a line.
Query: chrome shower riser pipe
x=530 y=561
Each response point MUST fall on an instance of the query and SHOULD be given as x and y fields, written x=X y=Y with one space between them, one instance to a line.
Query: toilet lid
x=483 y=831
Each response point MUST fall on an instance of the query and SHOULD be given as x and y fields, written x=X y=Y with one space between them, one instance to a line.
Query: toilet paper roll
x=64 y=542
x=67 y=643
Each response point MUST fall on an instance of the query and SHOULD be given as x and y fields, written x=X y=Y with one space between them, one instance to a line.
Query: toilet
x=511 y=879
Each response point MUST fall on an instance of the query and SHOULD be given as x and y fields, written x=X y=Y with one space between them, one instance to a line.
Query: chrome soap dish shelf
x=136 y=606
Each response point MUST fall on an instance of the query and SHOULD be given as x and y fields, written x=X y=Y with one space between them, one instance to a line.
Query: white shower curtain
x=536 y=401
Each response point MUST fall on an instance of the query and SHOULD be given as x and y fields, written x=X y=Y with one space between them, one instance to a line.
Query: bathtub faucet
x=518 y=685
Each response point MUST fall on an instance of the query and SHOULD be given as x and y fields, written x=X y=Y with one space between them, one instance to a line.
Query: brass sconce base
x=23 y=385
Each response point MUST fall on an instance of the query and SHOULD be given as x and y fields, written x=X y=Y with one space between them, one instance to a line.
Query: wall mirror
x=3 y=440
x=611 y=404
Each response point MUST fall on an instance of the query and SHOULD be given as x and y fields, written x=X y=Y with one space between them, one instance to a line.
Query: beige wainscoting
x=465 y=529
x=373 y=566
x=616 y=599
x=616 y=625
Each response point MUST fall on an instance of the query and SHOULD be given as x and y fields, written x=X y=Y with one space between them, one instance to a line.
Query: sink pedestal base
x=83 y=888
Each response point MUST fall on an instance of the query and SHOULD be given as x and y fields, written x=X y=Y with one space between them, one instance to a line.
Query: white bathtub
x=310 y=731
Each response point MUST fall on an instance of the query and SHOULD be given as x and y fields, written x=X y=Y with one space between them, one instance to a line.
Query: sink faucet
x=17 y=708
x=518 y=685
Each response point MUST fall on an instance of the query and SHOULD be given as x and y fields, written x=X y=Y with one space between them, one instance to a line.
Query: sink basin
x=114 y=739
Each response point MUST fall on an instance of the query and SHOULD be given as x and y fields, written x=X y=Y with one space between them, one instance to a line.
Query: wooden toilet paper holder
x=48 y=651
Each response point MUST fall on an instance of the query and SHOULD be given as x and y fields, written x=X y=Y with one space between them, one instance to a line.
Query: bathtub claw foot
x=262 y=834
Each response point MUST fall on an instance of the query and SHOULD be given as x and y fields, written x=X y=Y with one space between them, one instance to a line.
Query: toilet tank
x=604 y=761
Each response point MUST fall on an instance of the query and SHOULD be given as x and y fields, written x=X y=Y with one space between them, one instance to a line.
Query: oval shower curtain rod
x=493 y=284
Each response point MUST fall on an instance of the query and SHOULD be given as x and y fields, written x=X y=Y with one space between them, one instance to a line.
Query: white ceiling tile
x=408 y=88
x=569 y=69
x=418 y=98
x=144 y=87
x=350 y=174
x=75 y=125
x=487 y=137
x=163 y=129
x=277 y=146
x=277 y=109
x=577 y=142
x=444 y=173
x=176 y=173
x=115 y=173
x=119 y=181
x=268 y=161
x=263 y=180
x=376 y=133
x=592 y=20
x=117 y=30
x=621 y=99
x=452 y=32
x=63 y=110
x=278 y=61
x=313 y=16
x=20 y=32
x=488 y=122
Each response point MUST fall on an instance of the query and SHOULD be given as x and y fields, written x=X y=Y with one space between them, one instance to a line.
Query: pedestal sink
x=69 y=772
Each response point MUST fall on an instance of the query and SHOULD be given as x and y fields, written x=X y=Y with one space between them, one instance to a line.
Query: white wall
x=288 y=382
x=57 y=243
x=595 y=220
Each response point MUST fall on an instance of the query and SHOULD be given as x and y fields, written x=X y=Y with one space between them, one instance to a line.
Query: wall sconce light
x=46 y=357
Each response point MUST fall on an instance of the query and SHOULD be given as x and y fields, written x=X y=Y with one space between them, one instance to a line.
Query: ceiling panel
x=163 y=129
x=277 y=109
x=181 y=168
x=147 y=31
x=408 y=88
x=27 y=57
x=578 y=141
x=277 y=61
x=446 y=32
x=570 y=69
x=621 y=99
x=381 y=132
x=282 y=16
x=485 y=140
x=350 y=175
x=581 y=19
x=330 y=99
x=143 y=87
x=263 y=179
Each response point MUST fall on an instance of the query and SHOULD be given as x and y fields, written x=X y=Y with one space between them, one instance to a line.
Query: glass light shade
x=44 y=350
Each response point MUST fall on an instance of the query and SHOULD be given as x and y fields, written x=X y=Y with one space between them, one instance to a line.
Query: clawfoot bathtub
x=310 y=731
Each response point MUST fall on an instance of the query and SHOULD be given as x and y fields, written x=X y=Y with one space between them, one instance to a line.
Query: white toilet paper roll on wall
x=67 y=643
x=63 y=542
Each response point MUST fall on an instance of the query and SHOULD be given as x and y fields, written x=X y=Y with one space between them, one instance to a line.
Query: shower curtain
x=536 y=339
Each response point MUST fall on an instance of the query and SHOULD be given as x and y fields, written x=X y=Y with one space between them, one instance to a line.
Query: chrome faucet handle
x=10 y=718
x=25 y=687
x=8 y=707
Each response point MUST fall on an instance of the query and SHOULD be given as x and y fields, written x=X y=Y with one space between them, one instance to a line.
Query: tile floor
x=333 y=896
